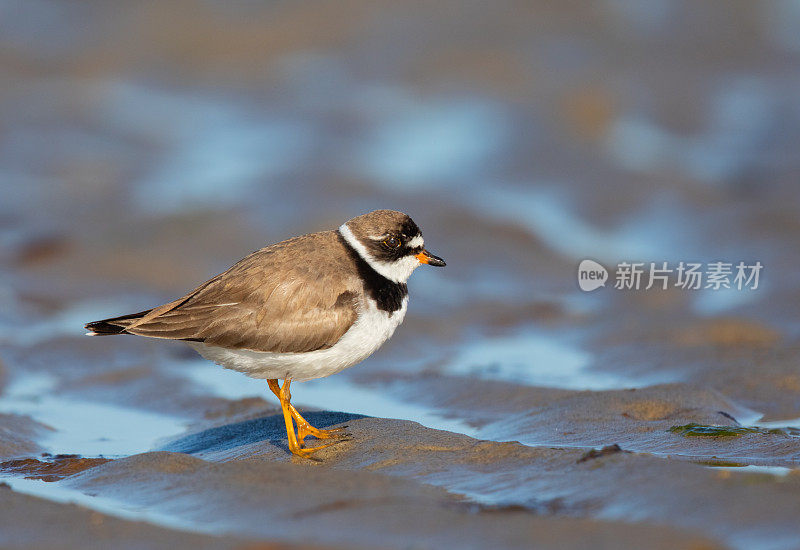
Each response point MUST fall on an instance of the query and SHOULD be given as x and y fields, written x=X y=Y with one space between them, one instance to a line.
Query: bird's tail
x=114 y=325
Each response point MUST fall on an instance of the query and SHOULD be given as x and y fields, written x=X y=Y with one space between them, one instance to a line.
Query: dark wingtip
x=103 y=327
x=111 y=326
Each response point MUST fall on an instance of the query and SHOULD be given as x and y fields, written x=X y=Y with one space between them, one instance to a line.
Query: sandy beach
x=145 y=148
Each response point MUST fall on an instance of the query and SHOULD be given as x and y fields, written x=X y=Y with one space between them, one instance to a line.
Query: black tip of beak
x=435 y=261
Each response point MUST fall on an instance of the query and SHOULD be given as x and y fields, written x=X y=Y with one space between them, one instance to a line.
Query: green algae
x=720 y=463
x=702 y=430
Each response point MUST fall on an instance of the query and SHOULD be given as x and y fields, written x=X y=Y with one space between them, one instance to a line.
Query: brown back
x=298 y=295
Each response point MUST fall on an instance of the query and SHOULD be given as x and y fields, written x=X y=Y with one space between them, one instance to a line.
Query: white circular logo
x=591 y=275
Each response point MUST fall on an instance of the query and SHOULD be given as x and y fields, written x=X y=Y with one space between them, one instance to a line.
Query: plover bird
x=297 y=310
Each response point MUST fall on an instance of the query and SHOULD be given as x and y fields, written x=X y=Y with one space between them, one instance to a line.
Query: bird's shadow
x=270 y=429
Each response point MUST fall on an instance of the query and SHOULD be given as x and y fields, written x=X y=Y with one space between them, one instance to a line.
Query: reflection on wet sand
x=146 y=147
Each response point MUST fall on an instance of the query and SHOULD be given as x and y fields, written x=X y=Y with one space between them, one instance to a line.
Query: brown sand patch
x=728 y=333
x=489 y=452
x=437 y=448
x=53 y=468
x=650 y=410
x=790 y=382
x=40 y=250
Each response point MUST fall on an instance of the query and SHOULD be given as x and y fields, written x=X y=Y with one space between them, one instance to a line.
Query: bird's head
x=390 y=242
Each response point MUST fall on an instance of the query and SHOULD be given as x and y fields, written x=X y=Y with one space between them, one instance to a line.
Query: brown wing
x=293 y=296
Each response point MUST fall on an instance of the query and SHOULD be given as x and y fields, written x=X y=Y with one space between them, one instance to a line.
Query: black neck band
x=387 y=294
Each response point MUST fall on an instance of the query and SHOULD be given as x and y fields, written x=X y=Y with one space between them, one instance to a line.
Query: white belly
x=372 y=328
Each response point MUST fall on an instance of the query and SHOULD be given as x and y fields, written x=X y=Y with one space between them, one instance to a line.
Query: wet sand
x=146 y=148
x=258 y=492
x=29 y=522
x=232 y=471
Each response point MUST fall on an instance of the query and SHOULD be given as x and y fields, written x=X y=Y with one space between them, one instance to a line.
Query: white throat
x=398 y=271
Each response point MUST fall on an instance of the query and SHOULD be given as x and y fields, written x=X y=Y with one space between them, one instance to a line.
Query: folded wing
x=293 y=309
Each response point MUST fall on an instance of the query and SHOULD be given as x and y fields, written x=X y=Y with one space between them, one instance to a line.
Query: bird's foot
x=304 y=429
x=297 y=449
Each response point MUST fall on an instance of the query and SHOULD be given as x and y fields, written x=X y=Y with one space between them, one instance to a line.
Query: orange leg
x=294 y=446
x=304 y=429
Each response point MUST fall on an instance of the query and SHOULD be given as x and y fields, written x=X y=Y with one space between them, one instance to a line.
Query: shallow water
x=537 y=359
x=79 y=426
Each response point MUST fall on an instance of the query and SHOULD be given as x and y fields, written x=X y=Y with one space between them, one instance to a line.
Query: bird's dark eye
x=391 y=242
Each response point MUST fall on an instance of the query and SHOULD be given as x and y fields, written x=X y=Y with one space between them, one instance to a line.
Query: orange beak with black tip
x=426 y=257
